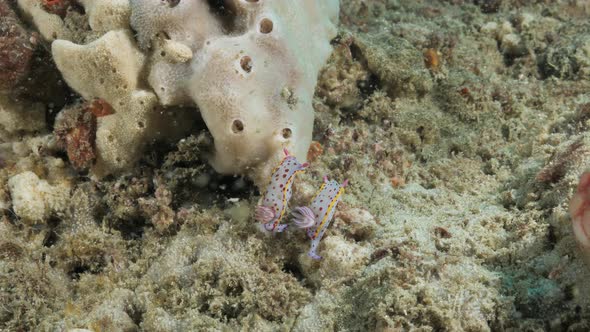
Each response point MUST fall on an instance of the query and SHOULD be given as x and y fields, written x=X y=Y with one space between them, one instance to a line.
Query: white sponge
x=249 y=66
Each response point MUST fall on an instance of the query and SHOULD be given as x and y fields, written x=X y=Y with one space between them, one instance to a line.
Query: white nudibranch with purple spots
x=278 y=193
x=317 y=217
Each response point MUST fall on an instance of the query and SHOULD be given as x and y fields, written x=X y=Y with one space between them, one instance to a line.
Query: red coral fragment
x=80 y=146
x=57 y=7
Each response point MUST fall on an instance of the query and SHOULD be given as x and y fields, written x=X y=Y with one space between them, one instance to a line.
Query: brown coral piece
x=315 y=150
x=80 y=145
x=16 y=48
x=75 y=129
x=560 y=162
x=432 y=60
x=158 y=209
x=488 y=6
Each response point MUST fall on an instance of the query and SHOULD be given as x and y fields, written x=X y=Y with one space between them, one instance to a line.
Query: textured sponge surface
x=252 y=78
x=249 y=66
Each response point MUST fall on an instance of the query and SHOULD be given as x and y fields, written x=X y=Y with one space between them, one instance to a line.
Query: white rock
x=33 y=199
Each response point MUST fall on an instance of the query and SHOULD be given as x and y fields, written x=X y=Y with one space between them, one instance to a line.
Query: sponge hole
x=237 y=126
x=246 y=63
x=173 y=3
x=266 y=26
x=287 y=133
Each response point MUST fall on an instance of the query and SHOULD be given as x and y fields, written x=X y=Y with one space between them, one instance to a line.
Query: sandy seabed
x=462 y=127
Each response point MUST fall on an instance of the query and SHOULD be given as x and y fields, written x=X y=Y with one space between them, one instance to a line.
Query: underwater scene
x=294 y=165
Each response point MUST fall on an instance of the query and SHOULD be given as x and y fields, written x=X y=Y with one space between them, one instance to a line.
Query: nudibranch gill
x=317 y=216
x=278 y=193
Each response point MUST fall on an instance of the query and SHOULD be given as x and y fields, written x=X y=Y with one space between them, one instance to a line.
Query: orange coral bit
x=315 y=150
x=101 y=108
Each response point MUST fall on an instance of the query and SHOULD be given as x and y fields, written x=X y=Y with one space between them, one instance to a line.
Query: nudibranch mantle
x=278 y=193
x=317 y=217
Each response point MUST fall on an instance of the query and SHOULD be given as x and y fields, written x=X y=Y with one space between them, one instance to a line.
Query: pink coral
x=580 y=211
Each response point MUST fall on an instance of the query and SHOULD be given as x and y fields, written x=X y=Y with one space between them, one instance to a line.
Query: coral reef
x=462 y=125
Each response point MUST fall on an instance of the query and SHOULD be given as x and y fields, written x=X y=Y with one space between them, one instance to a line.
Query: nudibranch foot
x=313 y=255
x=271 y=227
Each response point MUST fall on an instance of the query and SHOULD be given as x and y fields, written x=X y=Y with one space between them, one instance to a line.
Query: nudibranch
x=278 y=193
x=317 y=216
x=580 y=212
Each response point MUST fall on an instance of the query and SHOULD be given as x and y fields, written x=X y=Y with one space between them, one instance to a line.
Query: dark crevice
x=130 y=229
x=226 y=14
x=367 y=87
x=227 y=187
x=234 y=290
x=230 y=311
x=293 y=269
x=51 y=236
x=77 y=271
x=135 y=314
